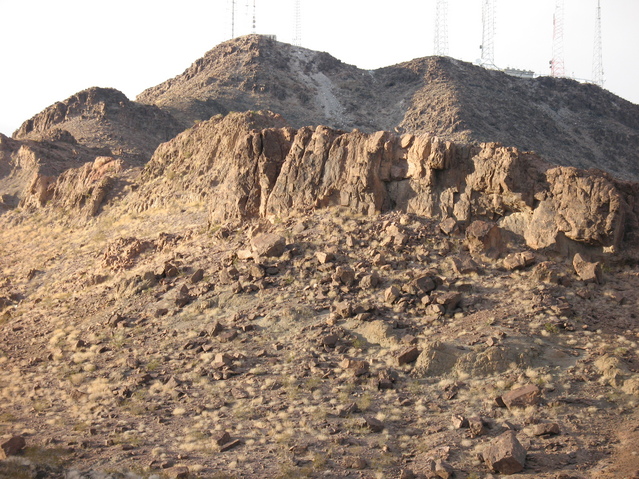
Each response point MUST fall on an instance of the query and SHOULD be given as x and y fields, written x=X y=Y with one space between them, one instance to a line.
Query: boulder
x=519 y=260
x=268 y=244
x=587 y=271
x=485 y=239
x=12 y=446
x=522 y=397
x=505 y=454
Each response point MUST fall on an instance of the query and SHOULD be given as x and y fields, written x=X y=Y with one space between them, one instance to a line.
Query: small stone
x=343 y=309
x=408 y=355
x=116 y=320
x=486 y=239
x=269 y=244
x=330 y=340
x=587 y=272
x=505 y=454
x=449 y=226
x=476 y=427
x=443 y=469
x=519 y=260
x=373 y=424
x=522 y=397
x=222 y=438
x=357 y=366
x=179 y=472
x=460 y=422
x=344 y=275
x=197 y=276
x=12 y=446
x=546 y=429
x=324 y=257
x=370 y=281
x=230 y=445
x=170 y=271
x=358 y=463
x=391 y=294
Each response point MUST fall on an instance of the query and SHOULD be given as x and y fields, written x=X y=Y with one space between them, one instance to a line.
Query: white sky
x=53 y=49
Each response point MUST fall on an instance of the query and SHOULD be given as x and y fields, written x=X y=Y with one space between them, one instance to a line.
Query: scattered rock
x=546 y=429
x=522 y=397
x=587 y=272
x=519 y=260
x=485 y=238
x=505 y=454
x=197 y=276
x=269 y=245
x=408 y=355
x=391 y=294
x=373 y=424
x=12 y=446
x=324 y=257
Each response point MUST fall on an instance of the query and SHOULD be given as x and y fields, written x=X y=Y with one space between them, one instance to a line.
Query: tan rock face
x=249 y=165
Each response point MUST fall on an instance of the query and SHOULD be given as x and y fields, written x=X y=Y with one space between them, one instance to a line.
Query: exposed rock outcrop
x=244 y=170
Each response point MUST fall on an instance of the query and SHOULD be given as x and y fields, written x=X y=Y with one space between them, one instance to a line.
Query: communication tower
x=557 y=68
x=297 y=37
x=597 y=59
x=441 y=28
x=232 y=6
x=488 y=34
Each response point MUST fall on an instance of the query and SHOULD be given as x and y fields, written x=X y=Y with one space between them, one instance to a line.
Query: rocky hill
x=568 y=123
x=104 y=118
x=192 y=292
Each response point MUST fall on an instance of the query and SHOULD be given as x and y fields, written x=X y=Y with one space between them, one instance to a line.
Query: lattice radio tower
x=488 y=34
x=557 y=67
x=297 y=37
x=597 y=59
x=232 y=5
x=441 y=28
x=254 y=29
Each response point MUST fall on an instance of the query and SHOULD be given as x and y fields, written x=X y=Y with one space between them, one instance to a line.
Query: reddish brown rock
x=324 y=257
x=546 y=429
x=268 y=244
x=373 y=424
x=522 y=397
x=391 y=294
x=505 y=454
x=486 y=239
x=408 y=355
x=519 y=260
x=587 y=271
x=344 y=275
x=12 y=446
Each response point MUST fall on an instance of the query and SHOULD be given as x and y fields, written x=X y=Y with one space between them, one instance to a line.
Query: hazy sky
x=52 y=49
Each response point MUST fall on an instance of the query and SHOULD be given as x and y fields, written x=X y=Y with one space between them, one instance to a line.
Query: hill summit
x=568 y=123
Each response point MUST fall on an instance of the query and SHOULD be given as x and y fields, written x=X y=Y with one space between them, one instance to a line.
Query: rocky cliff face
x=243 y=170
x=568 y=123
x=103 y=118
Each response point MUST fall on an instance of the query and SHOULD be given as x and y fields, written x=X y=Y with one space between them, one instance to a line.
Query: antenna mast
x=488 y=34
x=254 y=29
x=232 y=18
x=557 y=68
x=597 y=60
x=297 y=38
x=441 y=28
